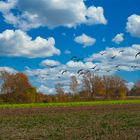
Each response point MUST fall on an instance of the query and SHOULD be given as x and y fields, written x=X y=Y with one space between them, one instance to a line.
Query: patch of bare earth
x=95 y=108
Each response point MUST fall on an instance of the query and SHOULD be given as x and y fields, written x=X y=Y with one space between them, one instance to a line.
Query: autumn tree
x=16 y=88
x=114 y=87
x=119 y=87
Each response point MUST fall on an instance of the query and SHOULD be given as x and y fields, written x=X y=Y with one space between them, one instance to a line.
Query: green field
x=106 y=124
x=96 y=120
x=70 y=104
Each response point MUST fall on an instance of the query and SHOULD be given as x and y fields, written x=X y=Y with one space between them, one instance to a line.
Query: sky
x=41 y=38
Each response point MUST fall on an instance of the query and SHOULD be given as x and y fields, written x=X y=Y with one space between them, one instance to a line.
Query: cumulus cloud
x=18 y=43
x=118 y=38
x=46 y=90
x=85 y=40
x=50 y=63
x=7 y=6
x=71 y=68
x=133 y=25
x=95 y=15
x=112 y=57
x=53 y=13
x=81 y=65
x=8 y=69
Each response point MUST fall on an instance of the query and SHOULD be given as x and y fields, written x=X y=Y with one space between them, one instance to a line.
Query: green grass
x=110 y=125
x=99 y=124
x=70 y=104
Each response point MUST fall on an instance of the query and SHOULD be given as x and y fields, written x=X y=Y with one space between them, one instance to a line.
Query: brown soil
x=96 y=109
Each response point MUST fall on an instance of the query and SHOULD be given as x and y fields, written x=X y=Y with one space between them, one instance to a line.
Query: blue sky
x=36 y=35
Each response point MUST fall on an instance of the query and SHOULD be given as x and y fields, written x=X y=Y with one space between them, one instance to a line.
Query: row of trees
x=16 y=88
x=92 y=87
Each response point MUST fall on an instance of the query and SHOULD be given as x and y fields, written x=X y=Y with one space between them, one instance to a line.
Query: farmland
x=99 y=120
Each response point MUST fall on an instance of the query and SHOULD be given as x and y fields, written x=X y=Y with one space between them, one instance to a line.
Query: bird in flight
x=87 y=71
x=108 y=70
x=50 y=67
x=94 y=67
x=74 y=57
x=121 y=51
x=137 y=54
x=102 y=53
x=63 y=71
x=113 y=57
x=117 y=66
x=79 y=59
x=134 y=66
x=97 y=70
x=79 y=71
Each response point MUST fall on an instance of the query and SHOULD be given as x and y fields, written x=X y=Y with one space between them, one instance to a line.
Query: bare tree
x=60 y=92
x=107 y=83
x=8 y=82
x=74 y=85
x=119 y=86
x=59 y=89
x=91 y=84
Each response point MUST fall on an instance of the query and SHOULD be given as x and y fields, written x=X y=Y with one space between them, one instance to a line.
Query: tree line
x=16 y=88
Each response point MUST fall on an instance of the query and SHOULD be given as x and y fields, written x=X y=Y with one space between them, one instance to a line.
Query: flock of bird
x=95 y=68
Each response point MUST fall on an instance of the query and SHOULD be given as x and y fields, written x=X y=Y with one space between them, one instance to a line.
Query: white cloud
x=130 y=85
x=96 y=15
x=6 y=6
x=53 y=13
x=87 y=65
x=46 y=90
x=118 y=38
x=8 y=69
x=133 y=25
x=50 y=63
x=85 y=40
x=18 y=43
x=126 y=62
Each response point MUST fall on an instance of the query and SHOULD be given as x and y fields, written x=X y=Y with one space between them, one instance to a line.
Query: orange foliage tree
x=16 y=88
